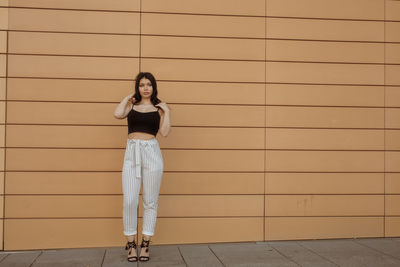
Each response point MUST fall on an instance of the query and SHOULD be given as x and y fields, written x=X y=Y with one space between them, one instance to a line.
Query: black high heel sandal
x=145 y=243
x=128 y=246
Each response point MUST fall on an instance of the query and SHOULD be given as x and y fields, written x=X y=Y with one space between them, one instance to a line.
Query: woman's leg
x=152 y=168
x=152 y=176
x=130 y=188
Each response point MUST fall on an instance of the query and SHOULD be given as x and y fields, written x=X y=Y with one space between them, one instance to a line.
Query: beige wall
x=3 y=107
x=285 y=118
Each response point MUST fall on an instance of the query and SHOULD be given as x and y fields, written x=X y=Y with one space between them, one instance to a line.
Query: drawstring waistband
x=137 y=143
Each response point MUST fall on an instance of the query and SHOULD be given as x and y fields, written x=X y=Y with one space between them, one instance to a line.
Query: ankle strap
x=145 y=243
x=131 y=244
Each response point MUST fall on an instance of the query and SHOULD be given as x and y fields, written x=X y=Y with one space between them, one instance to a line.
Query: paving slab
x=199 y=255
x=249 y=254
x=3 y=255
x=19 y=259
x=117 y=257
x=164 y=255
x=349 y=253
x=300 y=255
x=79 y=257
x=386 y=246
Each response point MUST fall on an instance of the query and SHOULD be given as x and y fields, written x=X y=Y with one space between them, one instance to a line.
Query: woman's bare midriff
x=140 y=135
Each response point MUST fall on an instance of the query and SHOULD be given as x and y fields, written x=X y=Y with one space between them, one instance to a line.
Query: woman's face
x=145 y=88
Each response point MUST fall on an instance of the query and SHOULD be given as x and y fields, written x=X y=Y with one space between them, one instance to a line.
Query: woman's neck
x=145 y=102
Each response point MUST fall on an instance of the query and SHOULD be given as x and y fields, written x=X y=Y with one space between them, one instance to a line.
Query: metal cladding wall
x=285 y=118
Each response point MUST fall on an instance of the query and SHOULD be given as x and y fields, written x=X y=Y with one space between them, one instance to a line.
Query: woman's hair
x=154 y=99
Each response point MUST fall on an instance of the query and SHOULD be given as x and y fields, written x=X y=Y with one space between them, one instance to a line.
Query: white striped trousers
x=142 y=161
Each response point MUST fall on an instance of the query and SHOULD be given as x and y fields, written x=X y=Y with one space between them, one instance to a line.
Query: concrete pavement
x=374 y=252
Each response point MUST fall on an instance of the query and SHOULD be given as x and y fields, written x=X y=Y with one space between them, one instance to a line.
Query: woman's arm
x=165 y=125
x=123 y=108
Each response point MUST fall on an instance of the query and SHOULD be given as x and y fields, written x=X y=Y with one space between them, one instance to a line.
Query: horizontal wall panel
x=329 y=205
x=325 y=161
x=2 y=155
x=2 y=200
x=290 y=50
x=72 y=67
x=62 y=233
x=109 y=90
x=203 y=25
x=73 y=44
x=69 y=90
x=111 y=183
x=342 y=9
x=214 y=160
x=73 y=21
x=2 y=134
x=392 y=226
x=392 y=139
x=112 y=160
x=2 y=184
x=392 y=31
x=392 y=10
x=284 y=72
x=202 y=206
x=211 y=48
x=392 y=159
x=226 y=7
x=324 y=183
x=20 y=159
x=66 y=136
x=324 y=29
x=296 y=228
x=95 y=113
x=62 y=206
x=2 y=235
x=3 y=65
x=209 y=93
x=3 y=41
x=2 y=88
x=392 y=55
x=392 y=117
x=392 y=205
x=392 y=183
x=3 y=113
x=2 y=126
x=205 y=70
x=392 y=74
x=344 y=139
x=222 y=183
x=214 y=138
x=115 y=137
x=203 y=115
x=208 y=230
x=63 y=183
x=123 y=5
x=392 y=96
x=111 y=206
x=85 y=113
x=45 y=233
x=4 y=13
x=333 y=117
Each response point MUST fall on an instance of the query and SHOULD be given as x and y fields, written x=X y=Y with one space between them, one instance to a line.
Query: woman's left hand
x=163 y=106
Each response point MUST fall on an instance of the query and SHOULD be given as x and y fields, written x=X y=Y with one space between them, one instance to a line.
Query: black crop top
x=148 y=122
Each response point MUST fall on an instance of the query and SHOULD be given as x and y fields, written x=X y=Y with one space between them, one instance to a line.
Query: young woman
x=143 y=160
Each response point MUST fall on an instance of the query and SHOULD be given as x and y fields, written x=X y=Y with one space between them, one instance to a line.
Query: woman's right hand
x=131 y=98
